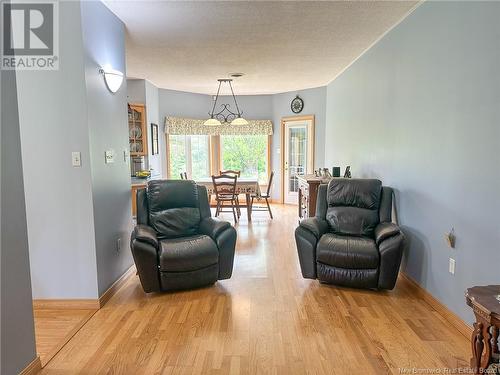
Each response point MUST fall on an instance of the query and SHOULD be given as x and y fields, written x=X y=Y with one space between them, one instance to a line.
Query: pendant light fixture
x=225 y=114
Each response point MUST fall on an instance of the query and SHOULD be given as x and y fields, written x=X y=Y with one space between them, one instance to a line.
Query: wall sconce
x=112 y=77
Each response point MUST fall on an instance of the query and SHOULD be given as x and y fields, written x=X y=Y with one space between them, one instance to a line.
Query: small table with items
x=485 y=303
x=308 y=192
x=247 y=186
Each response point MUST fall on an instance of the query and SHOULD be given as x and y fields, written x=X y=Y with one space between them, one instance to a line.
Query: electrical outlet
x=118 y=245
x=76 y=159
x=451 y=266
x=109 y=156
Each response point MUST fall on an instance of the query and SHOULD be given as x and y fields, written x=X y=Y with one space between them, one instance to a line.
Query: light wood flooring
x=55 y=327
x=266 y=319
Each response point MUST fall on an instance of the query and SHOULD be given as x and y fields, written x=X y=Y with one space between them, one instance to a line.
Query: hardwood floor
x=55 y=327
x=265 y=319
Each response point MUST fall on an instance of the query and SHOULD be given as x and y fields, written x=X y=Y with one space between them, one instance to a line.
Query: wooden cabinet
x=135 y=187
x=137 y=131
x=308 y=193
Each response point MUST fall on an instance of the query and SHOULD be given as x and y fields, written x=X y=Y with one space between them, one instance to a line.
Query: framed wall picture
x=154 y=139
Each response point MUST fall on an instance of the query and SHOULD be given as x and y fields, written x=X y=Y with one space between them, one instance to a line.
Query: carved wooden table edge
x=484 y=340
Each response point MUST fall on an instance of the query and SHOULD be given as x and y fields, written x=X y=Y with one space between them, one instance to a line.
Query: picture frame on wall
x=154 y=139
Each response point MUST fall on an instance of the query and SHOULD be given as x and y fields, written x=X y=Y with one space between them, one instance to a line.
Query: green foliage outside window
x=245 y=153
x=199 y=157
x=177 y=154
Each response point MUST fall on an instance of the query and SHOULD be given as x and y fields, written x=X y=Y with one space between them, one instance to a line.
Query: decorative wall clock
x=297 y=105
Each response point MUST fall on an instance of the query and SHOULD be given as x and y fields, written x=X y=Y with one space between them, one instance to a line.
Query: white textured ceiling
x=280 y=46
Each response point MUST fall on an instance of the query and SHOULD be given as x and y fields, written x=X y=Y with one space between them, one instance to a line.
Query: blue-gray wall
x=16 y=310
x=140 y=91
x=156 y=163
x=255 y=107
x=53 y=119
x=314 y=104
x=104 y=44
x=421 y=111
x=186 y=104
x=76 y=215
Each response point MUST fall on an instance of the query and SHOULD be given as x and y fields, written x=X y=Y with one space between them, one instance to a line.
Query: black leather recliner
x=176 y=244
x=354 y=239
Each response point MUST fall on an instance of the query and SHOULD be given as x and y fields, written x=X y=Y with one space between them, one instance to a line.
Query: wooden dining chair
x=265 y=195
x=347 y=173
x=225 y=192
x=184 y=176
x=231 y=172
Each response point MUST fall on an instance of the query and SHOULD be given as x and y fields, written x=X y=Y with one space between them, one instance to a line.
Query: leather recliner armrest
x=384 y=231
x=146 y=234
x=224 y=235
x=213 y=227
x=316 y=226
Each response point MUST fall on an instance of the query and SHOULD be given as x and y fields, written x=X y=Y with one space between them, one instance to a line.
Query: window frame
x=215 y=155
x=188 y=150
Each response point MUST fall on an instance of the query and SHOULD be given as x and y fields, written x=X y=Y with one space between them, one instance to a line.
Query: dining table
x=247 y=186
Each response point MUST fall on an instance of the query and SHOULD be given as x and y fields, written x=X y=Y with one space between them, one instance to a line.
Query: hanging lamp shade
x=239 y=121
x=212 y=122
x=224 y=115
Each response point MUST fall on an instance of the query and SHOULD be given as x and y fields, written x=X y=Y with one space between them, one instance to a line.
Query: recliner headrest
x=173 y=208
x=166 y=194
x=351 y=192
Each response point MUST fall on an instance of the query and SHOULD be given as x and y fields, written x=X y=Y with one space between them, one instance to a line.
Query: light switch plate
x=451 y=267
x=76 y=159
x=109 y=156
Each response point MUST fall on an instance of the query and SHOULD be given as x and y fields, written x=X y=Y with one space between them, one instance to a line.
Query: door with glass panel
x=298 y=154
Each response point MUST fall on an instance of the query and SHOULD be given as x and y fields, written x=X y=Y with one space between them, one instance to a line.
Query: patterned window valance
x=188 y=126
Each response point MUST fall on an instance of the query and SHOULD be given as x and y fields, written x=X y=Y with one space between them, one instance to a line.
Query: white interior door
x=298 y=155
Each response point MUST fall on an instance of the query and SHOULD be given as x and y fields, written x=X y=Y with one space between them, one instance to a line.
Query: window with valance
x=202 y=150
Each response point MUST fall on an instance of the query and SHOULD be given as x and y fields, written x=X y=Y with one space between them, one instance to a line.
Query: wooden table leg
x=477 y=347
x=481 y=346
x=486 y=360
x=494 y=339
x=249 y=207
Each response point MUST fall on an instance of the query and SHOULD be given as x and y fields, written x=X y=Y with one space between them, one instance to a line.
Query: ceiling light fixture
x=225 y=114
x=112 y=77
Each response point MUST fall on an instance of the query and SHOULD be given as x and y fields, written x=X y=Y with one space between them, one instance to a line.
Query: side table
x=485 y=303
